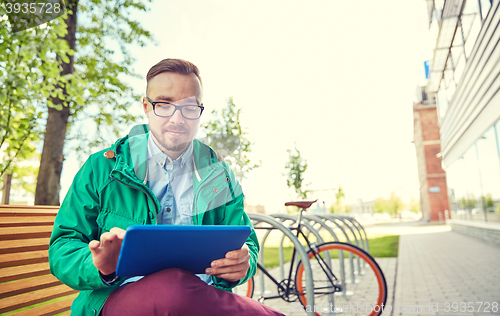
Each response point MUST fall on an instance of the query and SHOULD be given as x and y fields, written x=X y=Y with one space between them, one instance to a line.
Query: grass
x=380 y=247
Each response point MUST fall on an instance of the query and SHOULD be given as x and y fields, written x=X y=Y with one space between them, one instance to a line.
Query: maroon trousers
x=177 y=292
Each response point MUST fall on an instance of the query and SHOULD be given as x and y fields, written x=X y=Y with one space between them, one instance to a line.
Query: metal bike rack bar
x=351 y=258
x=322 y=223
x=343 y=220
x=356 y=223
x=364 y=241
x=311 y=229
x=285 y=217
x=260 y=218
x=315 y=232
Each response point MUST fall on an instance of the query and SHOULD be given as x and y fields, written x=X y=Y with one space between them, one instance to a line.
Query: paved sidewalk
x=437 y=272
x=446 y=273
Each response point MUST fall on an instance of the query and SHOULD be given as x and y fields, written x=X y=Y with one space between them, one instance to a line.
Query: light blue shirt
x=171 y=181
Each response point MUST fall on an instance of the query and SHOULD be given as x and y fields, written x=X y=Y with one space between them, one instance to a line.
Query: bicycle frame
x=289 y=288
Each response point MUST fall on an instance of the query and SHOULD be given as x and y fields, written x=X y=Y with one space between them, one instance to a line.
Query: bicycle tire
x=367 y=294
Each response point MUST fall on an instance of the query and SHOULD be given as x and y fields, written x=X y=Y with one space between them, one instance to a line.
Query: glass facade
x=468 y=29
x=474 y=180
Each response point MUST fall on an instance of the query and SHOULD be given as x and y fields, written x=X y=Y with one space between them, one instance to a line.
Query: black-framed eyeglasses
x=167 y=109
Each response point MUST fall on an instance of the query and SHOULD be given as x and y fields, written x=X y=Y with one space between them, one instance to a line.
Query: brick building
x=432 y=177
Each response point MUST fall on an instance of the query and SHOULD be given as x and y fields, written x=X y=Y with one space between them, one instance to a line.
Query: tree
x=296 y=167
x=393 y=205
x=338 y=206
x=82 y=84
x=28 y=73
x=226 y=136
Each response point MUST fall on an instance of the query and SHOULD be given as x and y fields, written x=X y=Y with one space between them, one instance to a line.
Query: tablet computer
x=147 y=249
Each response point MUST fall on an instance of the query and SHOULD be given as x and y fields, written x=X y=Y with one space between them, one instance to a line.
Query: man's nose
x=177 y=117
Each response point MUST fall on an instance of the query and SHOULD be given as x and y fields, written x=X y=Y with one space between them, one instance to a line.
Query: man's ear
x=145 y=105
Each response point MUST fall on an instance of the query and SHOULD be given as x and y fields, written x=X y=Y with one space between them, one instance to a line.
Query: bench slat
x=23 y=258
x=24 y=245
x=28 y=285
x=23 y=272
x=18 y=221
x=27 y=299
x=49 y=309
x=11 y=233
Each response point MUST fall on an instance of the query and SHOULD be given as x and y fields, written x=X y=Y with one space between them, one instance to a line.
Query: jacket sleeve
x=235 y=215
x=74 y=227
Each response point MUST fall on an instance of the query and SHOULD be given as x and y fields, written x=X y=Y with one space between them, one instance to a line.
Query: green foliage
x=296 y=167
x=226 y=136
x=99 y=100
x=28 y=76
x=414 y=206
x=105 y=32
x=467 y=202
x=488 y=201
x=392 y=205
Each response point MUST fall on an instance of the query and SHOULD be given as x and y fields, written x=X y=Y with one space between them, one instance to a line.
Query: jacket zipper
x=148 y=195
x=198 y=193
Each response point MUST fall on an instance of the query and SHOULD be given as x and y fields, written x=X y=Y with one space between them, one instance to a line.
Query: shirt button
x=161 y=164
x=215 y=190
x=168 y=161
x=168 y=209
x=172 y=180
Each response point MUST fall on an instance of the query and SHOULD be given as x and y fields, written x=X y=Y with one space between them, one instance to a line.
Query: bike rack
x=333 y=219
x=283 y=218
x=260 y=218
x=317 y=219
x=358 y=226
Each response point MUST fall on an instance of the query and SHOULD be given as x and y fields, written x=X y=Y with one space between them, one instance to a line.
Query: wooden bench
x=25 y=278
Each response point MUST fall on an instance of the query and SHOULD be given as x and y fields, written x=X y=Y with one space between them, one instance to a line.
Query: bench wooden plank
x=23 y=258
x=23 y=272
x=19 y=301
x=28 y=285
x=18 y=221
x=27 y=211
x=25 y=277
x=49 y=309
x=11 y=233
x=24 y=245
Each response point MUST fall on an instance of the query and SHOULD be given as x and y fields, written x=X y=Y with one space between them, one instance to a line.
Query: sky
x=336 y=78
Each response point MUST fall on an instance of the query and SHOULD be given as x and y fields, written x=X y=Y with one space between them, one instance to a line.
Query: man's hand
x=105 y=253
x=233 y=267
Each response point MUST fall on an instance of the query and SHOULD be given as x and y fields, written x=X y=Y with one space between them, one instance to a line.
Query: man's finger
x=107 y=239
x=228 y=269
x=237 y=253
x=120 y=233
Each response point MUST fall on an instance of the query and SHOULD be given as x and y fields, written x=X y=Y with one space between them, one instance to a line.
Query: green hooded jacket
x=109 y=193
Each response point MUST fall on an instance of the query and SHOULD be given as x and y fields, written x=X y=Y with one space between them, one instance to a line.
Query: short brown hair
x=178 y=66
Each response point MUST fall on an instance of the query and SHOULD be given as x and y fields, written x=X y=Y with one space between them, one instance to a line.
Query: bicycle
x=333 y=293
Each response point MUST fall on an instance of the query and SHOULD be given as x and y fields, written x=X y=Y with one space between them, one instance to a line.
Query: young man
x=158 y=174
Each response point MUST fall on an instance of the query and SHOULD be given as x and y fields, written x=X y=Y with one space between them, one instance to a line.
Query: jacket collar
x=131 y=156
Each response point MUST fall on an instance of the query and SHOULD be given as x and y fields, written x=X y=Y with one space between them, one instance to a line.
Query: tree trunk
x=7 y=179
x=49 y=175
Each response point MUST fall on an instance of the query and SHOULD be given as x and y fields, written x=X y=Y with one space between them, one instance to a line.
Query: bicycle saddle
x=301 y=204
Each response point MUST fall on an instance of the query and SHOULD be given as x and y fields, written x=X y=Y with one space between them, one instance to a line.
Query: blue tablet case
x=147 y=249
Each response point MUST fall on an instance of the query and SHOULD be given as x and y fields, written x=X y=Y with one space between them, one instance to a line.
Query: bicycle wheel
x=353 y=291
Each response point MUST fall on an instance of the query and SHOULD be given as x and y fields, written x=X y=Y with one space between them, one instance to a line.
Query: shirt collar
x=155 y=154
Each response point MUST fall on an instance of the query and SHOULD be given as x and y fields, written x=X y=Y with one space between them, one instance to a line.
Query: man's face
x=172 y=134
